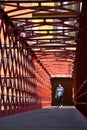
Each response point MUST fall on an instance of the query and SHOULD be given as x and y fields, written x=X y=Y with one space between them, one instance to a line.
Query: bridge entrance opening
x=67 y=83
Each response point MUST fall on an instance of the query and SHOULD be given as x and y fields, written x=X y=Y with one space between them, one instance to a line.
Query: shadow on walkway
x=53 y=118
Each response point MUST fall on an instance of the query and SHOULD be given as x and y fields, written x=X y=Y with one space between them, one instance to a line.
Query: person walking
x=59 y=94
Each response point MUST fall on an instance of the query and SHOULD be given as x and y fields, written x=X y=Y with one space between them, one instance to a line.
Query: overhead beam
x=56 y=15
x=35 y=1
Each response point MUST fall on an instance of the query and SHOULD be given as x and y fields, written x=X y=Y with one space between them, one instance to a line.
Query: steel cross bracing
x=50 y=28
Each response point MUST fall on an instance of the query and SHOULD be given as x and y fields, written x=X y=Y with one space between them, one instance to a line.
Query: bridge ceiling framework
x=51 y=30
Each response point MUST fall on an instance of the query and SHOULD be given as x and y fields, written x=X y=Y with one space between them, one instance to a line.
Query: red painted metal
x=31 y=54
x=22 y=86
x=80 y=73
x=32 y=18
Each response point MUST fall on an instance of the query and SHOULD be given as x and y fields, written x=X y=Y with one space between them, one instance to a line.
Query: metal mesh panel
x=21 y=80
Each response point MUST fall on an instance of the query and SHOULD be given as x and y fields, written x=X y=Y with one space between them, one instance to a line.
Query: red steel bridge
x=41 y=39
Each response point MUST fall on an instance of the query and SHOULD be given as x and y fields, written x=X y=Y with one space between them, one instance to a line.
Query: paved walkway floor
x=65 y=118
